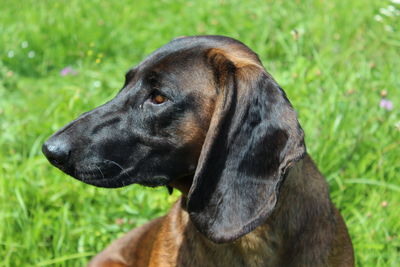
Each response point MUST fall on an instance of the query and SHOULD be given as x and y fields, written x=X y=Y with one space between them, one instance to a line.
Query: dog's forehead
x=188 y=49
x=185 y=59
x=198 y=43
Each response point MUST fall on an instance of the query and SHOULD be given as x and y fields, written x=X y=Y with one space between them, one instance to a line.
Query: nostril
x=57 y=152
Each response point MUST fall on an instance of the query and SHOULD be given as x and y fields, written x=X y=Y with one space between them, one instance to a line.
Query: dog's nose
x=57 y=151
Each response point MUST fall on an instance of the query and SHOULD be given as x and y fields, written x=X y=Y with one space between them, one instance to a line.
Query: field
x=338 y=62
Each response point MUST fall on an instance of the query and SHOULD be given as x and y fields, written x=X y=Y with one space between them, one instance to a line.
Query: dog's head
x=201 y=107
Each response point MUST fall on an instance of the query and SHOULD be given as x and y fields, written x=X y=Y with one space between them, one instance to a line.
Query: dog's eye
x=157 y=98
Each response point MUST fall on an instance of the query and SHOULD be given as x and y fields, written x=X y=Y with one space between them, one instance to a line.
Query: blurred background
x=338 y=62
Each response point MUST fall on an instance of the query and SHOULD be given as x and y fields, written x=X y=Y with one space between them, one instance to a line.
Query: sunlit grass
x=336 y=60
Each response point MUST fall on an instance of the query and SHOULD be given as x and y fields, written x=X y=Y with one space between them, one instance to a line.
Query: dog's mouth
x=109 y=174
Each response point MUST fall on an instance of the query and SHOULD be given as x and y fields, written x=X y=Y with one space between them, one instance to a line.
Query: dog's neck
x=292 y=177
x=302 y=197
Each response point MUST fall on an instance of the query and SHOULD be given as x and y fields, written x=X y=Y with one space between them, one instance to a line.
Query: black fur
x=237 y=179
x=254 y=135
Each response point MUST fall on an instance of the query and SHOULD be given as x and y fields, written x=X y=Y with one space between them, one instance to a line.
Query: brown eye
x=158 y=99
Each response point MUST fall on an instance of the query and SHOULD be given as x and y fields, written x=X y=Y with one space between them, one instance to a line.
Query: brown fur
x=304 y=228
x=292 y=230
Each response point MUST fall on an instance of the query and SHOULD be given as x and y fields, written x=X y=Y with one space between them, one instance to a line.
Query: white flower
x=378 y=18
x=388 y=28
x=386 y=12
x=10 y=54
x=24 y=44
x=31 y=54
x=97 y=84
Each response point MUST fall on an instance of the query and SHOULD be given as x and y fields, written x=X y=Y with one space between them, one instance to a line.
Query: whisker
x=102 y=174
x=93 y=173
x=119 y=166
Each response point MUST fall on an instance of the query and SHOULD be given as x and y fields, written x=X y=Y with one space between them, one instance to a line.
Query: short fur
x=226 y=137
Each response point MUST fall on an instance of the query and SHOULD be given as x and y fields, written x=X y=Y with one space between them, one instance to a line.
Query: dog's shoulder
x=132 y=249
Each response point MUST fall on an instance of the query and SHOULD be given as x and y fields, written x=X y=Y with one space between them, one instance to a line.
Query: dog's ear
x=253 y=137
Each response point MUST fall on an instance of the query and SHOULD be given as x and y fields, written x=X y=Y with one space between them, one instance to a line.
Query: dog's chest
x=259 y=248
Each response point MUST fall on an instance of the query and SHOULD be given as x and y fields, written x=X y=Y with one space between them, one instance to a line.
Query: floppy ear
x=253 y=137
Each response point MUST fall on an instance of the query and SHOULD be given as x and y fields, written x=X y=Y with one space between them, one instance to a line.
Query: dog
x=203 y=116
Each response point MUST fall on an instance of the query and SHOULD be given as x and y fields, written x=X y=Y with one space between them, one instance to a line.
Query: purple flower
x=68 y=71
x=386 y=104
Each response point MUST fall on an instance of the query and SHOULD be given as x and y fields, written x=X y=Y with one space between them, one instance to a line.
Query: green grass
x=333 y=72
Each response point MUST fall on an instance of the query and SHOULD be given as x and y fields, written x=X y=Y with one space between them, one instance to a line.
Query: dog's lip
x=97 y=174
x=100 y=175
x=98 y=170
x=120 y=179
x=107 y=182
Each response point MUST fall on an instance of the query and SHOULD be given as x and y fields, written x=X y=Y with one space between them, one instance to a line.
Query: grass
x=334 y=59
